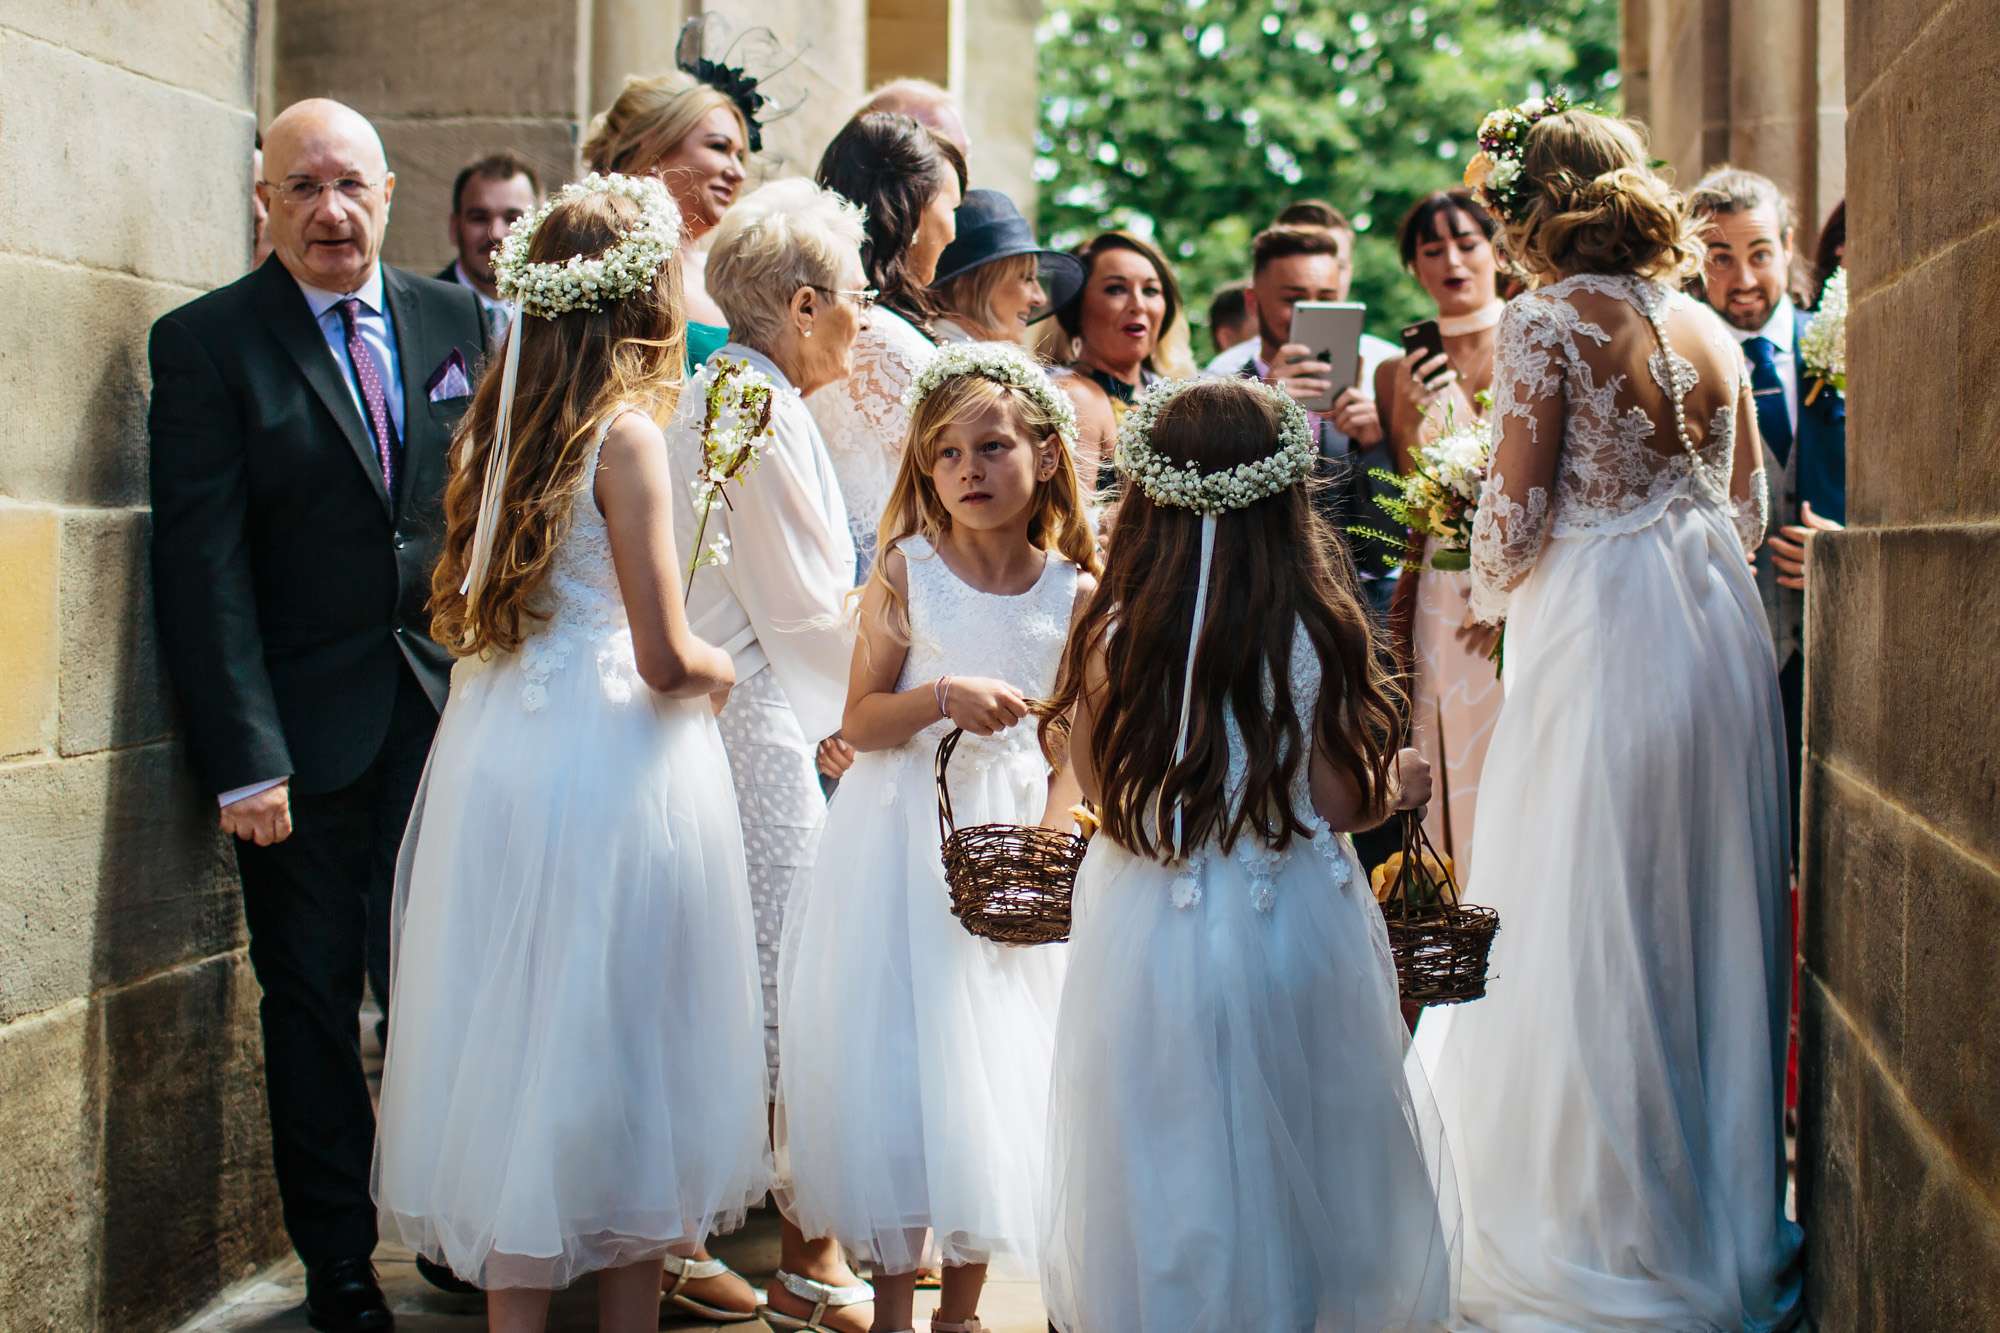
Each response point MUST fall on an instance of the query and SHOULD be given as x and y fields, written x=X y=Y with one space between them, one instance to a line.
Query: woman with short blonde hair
x=785 y=268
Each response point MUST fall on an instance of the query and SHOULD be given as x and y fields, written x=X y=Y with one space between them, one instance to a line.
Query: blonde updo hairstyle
x=1595 y=206
x=649 y=119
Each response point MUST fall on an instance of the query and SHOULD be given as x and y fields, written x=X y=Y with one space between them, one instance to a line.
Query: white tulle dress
x=575 y=1070
x=1234 y=1144
x=1615 y=1103
x=915 y=1057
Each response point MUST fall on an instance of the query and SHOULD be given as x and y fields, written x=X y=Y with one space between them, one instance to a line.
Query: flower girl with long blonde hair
x=575 y=1077
x=915 y=1057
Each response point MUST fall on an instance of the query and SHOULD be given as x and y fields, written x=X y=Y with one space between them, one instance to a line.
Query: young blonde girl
x=1232 y=1144
x=574 y=1078
x=915 y=1057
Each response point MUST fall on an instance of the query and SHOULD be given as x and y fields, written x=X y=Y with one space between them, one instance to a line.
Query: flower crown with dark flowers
x=1494 y=174
x=735 y=82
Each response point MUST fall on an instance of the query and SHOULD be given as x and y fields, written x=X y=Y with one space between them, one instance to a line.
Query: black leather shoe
x=444 y=1279
x=344 y=1297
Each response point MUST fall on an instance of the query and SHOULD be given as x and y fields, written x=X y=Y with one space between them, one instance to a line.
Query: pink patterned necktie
x=369 y=373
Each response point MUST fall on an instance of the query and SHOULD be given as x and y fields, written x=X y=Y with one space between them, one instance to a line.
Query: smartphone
x=1332 y=329
x=1422 y=341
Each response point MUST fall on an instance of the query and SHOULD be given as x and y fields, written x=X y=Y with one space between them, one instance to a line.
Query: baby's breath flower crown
x=590 y=282
x=1003 y=363
x=1494 y=173
x=1185 y=486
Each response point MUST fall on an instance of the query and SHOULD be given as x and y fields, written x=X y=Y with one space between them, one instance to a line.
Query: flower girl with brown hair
x=575 y=1078
x=1233 y=1144
x=915 y=1057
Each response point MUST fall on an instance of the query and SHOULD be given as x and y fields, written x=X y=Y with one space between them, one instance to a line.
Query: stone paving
x=275 y=1298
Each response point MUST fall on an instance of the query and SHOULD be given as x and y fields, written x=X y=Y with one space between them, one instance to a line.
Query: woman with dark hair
x=1447 y=245
x=1112 y=335
x=910 y=180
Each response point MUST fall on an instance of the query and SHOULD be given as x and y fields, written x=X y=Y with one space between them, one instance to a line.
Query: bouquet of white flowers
x=1441 y=495
x=735 y=428
x=1823 y=348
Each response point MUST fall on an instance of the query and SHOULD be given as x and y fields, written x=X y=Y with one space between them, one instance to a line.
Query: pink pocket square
x=449 y=379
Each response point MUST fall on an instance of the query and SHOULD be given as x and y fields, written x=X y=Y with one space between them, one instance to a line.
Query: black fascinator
x=708 y=52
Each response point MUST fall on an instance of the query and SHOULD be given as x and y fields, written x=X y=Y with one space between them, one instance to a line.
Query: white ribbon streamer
x=1194 y=640
x=488 y=519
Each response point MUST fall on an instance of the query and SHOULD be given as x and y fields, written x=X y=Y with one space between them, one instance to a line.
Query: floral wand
x=735 y=428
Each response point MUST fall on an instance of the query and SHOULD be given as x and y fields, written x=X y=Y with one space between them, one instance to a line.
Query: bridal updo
x=1595 y=206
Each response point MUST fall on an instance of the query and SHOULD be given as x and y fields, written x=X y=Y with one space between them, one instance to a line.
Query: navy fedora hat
x=990 y=228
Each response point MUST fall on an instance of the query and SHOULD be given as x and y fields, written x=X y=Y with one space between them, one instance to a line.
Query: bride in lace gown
x=1614 y=1105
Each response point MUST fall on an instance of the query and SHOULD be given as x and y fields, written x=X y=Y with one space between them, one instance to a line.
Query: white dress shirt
x=378 y=331
x=1779 y=328
x=491 y=308
x=781 y=600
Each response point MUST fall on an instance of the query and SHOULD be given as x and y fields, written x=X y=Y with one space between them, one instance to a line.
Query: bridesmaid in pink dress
x=1454 y=690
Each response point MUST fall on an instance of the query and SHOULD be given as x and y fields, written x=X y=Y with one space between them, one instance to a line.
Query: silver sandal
x=699 y=1270
x=824 y=1297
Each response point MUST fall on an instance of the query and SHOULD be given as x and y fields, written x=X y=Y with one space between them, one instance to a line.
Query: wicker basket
x=1440 y=946
x=1009 y=883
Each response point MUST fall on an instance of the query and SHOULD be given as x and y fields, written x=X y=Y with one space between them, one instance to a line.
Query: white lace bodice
x=861 y=418
x=1596 y=432
x=584 y=608
x=957 y=630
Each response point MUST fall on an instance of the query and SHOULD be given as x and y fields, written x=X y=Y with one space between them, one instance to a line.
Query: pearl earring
x=809 y=333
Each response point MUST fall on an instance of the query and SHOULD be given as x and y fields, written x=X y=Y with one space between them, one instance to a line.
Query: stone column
x=1760 y=85
x=1002 y=111
x=133 y=1141
x=444 y=84
x=826 y=82
x=1899 y=1151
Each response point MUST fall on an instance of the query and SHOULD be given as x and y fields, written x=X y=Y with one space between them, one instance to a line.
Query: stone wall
x=447 y=84
x=133 y=1143
x=1899 y=1153
x=1759 y=84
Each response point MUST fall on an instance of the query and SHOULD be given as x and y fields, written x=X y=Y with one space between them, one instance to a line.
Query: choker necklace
x=1480 y=320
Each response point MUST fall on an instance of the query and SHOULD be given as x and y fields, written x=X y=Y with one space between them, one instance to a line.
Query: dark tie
x=1773 y=421
x=368 y=374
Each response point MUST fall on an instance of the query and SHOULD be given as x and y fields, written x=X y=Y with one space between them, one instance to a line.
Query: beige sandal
x=824 y=1297
x=685 y=1271
x=971 y=1325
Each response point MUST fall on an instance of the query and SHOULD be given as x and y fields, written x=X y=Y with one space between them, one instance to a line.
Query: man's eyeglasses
x=302 y=193
x=864 y=297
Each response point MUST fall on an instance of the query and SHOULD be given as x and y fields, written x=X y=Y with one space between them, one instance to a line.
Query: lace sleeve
x=1749 y=486
x=1514 y=504
x=861 y=418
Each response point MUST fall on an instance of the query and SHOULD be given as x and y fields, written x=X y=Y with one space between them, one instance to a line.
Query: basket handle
x=946 y=824
x=1417 y=845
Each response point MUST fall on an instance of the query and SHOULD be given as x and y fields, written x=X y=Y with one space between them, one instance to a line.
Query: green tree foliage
x=1195 y=121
